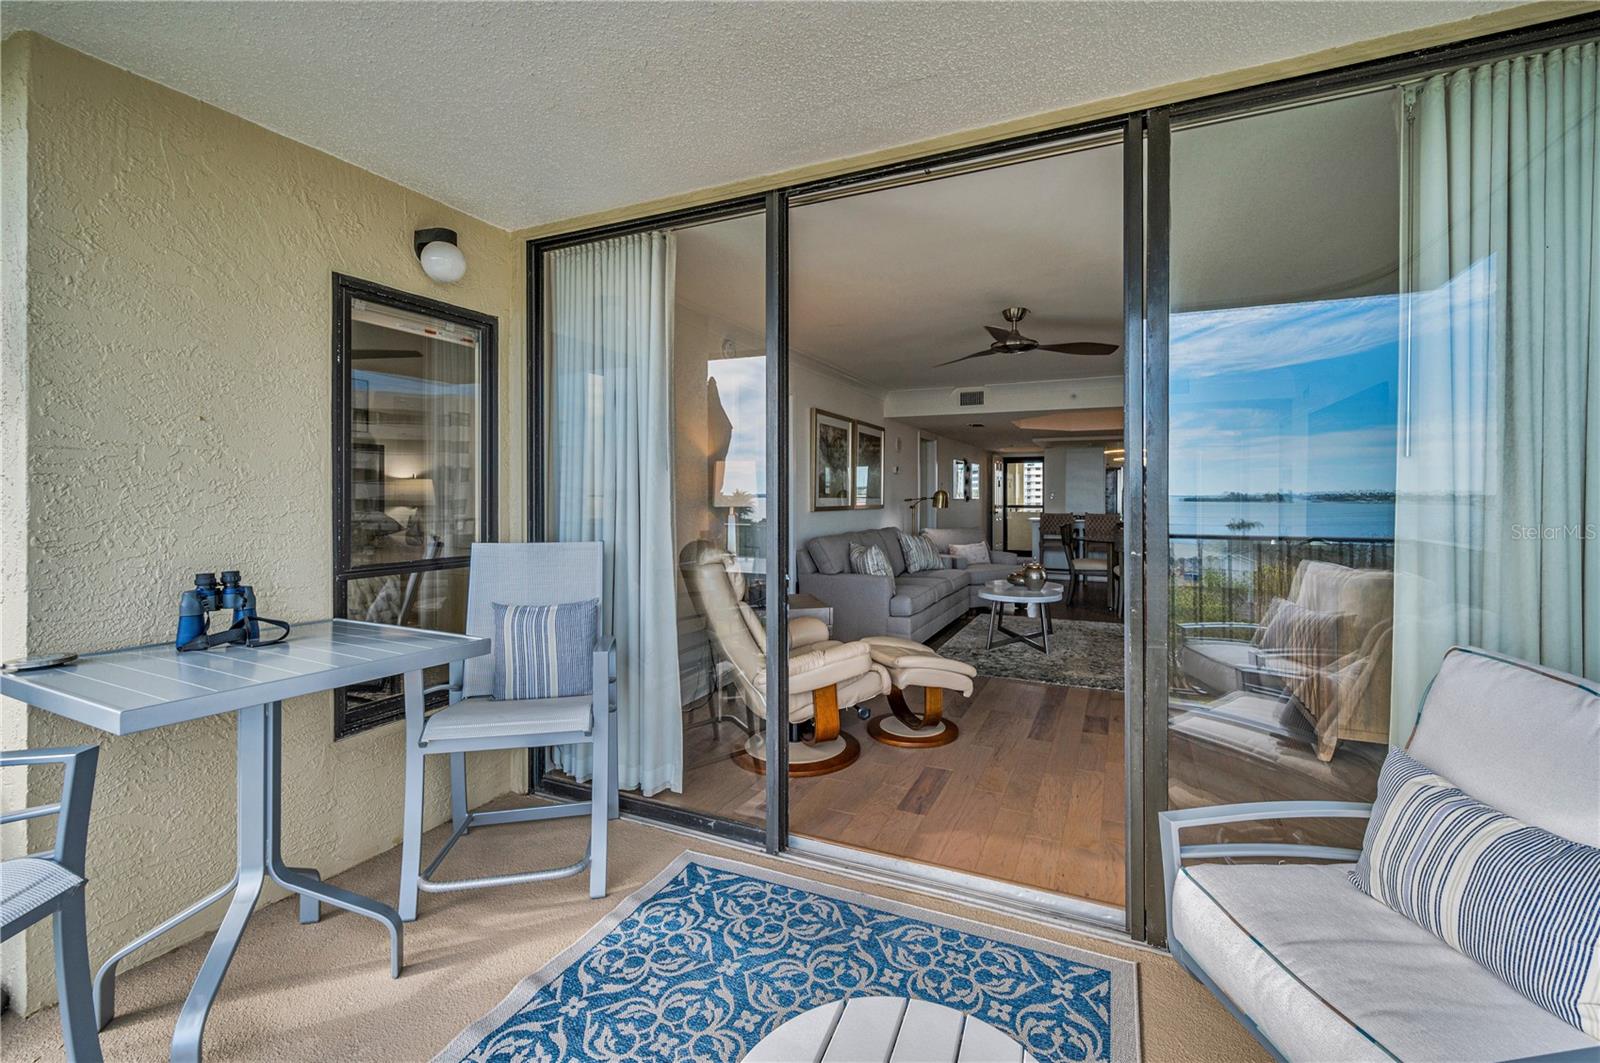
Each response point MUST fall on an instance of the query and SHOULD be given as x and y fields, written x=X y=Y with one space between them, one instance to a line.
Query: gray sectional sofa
x=913 y=605
x=1001 y=562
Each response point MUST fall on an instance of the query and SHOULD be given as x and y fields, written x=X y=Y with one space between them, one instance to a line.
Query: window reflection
x=413 y=445
x=1284 y=384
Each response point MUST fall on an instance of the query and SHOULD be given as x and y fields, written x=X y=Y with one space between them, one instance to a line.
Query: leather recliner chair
x=825 y=677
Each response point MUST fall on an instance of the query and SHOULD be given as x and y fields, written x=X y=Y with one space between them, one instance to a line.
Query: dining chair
x=476 y=719
x=51 y=884
x=1096 y=556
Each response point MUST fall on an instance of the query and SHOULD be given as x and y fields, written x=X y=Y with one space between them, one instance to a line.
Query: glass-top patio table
x=127 y=691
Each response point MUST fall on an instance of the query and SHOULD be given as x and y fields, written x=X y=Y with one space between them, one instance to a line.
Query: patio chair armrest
x=77 y=792
x=608 y=647
x=1198 y=628
x=1176 y=820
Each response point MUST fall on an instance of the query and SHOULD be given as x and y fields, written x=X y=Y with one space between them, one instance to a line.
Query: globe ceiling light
x=441 y=259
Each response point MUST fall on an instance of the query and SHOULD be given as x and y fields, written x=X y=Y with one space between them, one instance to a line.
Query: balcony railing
x=1233 y=577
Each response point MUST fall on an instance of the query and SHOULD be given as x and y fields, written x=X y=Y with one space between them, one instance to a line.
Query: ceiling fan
x=1012 y=341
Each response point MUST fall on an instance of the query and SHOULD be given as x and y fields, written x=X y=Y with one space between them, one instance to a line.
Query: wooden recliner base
x=825 y=751
x=906 y=729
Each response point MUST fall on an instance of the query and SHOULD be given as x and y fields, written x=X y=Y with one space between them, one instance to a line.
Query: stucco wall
x=176 y=360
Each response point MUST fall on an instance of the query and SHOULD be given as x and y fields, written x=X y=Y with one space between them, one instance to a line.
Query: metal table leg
x=253 y=827
x=305 y=880
x=260 y=842
x=1040 y=640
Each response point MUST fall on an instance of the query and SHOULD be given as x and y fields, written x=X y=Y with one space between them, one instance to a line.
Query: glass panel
x=1024 y=489
x=1285 y=337
x=1379 y=437
x=658 y=449
x=413 y=436
x=436 y=600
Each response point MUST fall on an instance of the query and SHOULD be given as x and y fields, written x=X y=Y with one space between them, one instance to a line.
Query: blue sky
x=742 y=388
x=1286 y=397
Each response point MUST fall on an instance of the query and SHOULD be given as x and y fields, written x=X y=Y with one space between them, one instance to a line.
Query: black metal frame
x=1135 y=452
x=1005 y=508
x=348 y=720
x=1153 y=783
x=1146 y=236
x=777 y=321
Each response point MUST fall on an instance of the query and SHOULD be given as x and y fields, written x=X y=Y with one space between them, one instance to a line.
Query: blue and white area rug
x=712 y=955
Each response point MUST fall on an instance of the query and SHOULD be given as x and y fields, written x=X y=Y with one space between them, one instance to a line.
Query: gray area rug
x=1083 y=653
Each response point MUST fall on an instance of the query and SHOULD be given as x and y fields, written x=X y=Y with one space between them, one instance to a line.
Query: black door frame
x=1146 y=141
x=1005 y=508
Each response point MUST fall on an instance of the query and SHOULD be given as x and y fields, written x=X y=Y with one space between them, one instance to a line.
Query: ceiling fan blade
x=998 y=333
x=980 y=354
x=1090 y=349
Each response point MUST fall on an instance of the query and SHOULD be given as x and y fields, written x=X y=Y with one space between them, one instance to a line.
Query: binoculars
x=210 y=595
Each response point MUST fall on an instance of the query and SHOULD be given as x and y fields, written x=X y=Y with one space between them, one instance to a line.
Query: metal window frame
x=1146 y=141
x=348 y=719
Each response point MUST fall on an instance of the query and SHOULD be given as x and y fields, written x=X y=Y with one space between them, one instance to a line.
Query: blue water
x=1297 y=519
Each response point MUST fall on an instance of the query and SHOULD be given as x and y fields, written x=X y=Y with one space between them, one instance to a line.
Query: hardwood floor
x=1031 y=791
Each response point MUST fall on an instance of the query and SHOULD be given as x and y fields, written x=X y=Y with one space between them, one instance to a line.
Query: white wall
x=1075 y=478
x=813 y=387
x=962 y=513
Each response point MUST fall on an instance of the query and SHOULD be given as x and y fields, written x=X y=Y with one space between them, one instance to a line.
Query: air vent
x=970 y=398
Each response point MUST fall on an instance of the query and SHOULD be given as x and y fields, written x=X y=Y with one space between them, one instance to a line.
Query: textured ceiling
x=1274 y=208
x=523 y=114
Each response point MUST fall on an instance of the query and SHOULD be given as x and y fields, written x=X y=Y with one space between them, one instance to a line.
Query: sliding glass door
x=1362 y=425
x=656 y=372
x=1383 y=421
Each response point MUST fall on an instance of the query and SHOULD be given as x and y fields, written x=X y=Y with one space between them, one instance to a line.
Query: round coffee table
x=885 y=1028
x=999 y=594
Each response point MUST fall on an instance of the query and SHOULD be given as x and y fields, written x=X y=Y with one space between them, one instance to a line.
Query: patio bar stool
x=51 y=884
x=475 y=719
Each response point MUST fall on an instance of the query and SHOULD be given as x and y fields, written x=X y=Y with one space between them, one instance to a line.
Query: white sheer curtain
x=1498 y=507
x=611 y=358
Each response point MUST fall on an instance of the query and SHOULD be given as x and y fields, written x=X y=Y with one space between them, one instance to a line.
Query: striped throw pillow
x=544 y=651
x=1522 y=902
x=921 y=554
x=870 y=560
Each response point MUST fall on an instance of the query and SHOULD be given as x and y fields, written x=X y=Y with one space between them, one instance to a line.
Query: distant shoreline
x=1380 y=497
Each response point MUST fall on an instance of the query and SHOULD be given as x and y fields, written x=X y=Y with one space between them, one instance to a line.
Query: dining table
x=142 y=688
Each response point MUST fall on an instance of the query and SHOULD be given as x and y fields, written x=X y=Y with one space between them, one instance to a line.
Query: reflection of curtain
x=451 y=372
x=1498 y=479
x=612 y=471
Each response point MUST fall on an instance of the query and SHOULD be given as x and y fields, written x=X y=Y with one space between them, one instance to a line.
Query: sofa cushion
x=913 y=594
x=945 y=538
x=972 y=553
x=869 y=560
x=1326 y=972
x=920 y=553
x=978 y=574
x=830 y=553
x=1521 y=901
x=1517 y=737
x=889 y=539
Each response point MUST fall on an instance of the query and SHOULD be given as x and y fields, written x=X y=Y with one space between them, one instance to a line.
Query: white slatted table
x=886 y=1030
x=127 y=691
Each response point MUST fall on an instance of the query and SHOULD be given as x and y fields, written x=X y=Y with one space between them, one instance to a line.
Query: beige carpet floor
x=323 y=992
